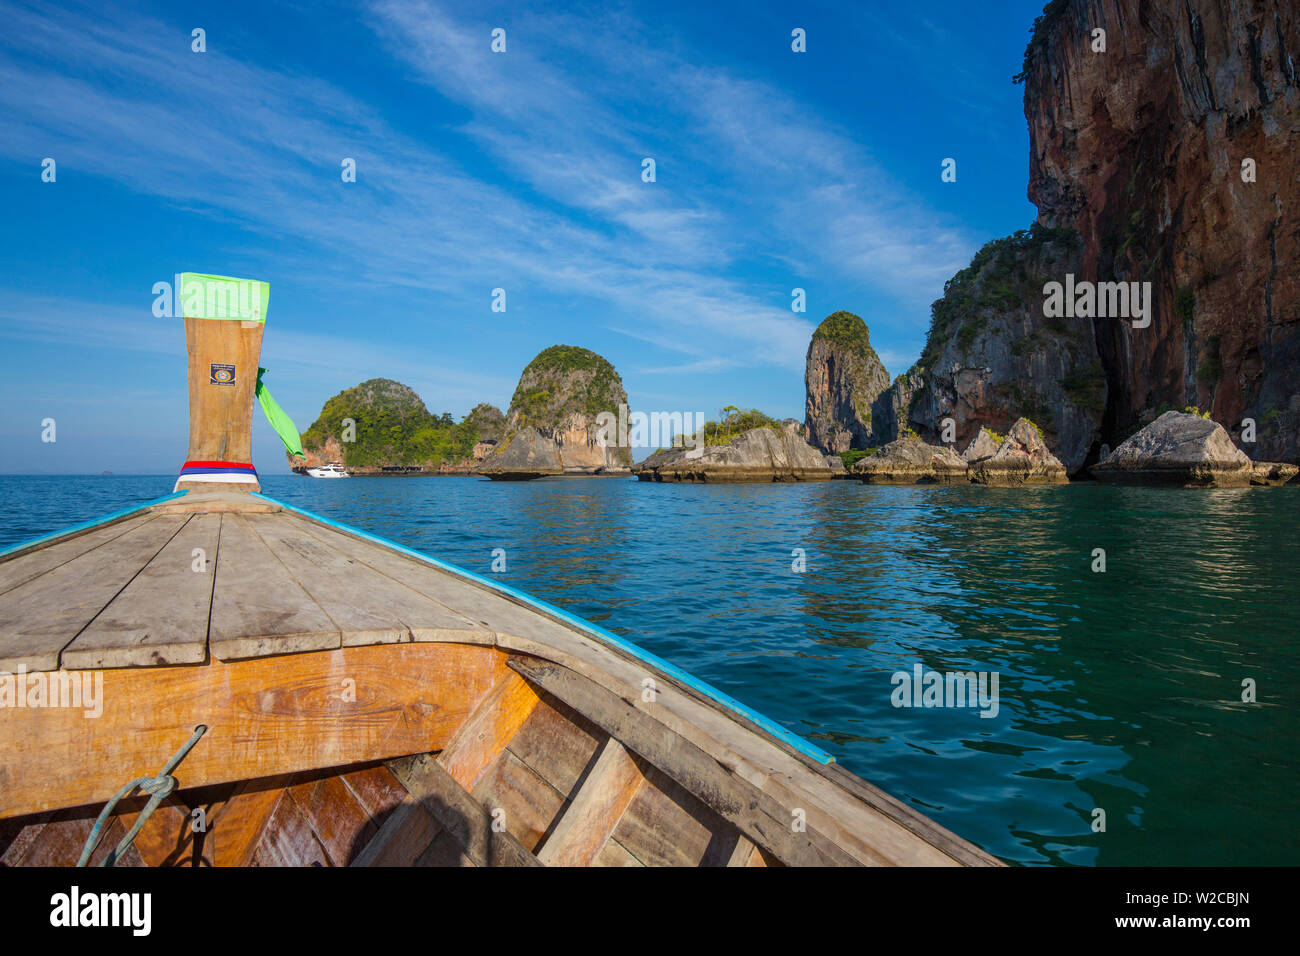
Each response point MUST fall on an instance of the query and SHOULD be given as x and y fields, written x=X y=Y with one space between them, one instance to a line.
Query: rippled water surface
x=1118 y=690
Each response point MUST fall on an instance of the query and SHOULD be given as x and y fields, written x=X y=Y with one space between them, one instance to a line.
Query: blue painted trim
x=767 y=723
x=86 y=525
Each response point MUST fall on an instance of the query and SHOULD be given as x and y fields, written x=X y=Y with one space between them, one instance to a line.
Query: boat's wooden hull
x=391 y=713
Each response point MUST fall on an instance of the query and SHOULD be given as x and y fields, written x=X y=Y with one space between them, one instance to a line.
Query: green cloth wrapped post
x=223 y=297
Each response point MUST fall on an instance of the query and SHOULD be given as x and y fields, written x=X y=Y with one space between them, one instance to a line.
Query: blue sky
x=475 y=171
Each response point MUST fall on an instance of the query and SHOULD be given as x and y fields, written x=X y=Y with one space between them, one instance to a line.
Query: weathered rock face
x=910 y=461
x=331 y=449
x=1272 y=473
x=1022 y=459
x=1141 y=149
x=1178 y=448
x=524 y=455
x=982 y=446
x=560 y=394
x=843 y=378
x=760 y=454
x=992 y=356
x=889 y=412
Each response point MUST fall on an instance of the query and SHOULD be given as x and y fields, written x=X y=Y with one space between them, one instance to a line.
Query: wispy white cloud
x=690 y=368
x=767 y=173
x=745 y=174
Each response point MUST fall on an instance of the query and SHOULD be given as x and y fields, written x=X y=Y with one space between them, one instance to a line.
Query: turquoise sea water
x=1118 y=690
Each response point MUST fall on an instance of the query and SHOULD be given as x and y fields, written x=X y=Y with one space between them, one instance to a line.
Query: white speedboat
x=334 y=469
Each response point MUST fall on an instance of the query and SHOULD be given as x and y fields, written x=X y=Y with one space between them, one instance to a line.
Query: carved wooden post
x=224 y=319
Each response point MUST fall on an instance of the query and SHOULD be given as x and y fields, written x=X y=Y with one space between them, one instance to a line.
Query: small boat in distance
x=334 y=469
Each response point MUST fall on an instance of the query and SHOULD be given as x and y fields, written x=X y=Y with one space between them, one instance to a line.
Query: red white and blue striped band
x=222 y=471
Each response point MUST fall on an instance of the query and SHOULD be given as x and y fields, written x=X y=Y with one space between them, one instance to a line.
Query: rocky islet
x=1178 y=448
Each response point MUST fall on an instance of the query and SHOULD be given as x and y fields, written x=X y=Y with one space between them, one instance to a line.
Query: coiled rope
x=158 y=788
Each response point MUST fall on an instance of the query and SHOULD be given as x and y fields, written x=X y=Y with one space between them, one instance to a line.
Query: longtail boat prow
x=217 y=678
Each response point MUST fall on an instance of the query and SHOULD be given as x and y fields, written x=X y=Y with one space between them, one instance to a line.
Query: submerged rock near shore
x=843 y=378
x=760 y=454
x=1022 y=458
x=1178 y=448
x=910 y=461
x=1272 y=473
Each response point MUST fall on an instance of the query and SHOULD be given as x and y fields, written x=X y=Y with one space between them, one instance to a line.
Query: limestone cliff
x=889 y=412
x=1141 y=149
x=560 y=394
x=843 y=378
x=992 y=356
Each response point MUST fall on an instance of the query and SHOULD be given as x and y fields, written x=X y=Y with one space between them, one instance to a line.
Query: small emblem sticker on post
x=221 y=374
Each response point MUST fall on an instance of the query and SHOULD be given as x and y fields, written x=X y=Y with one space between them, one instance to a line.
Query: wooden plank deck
x=41 y=617
x=161 y=617
x=172 y=587
x=280 y=610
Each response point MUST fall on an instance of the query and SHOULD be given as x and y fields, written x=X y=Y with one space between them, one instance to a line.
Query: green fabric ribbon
x=222 y=297
x=281 y=422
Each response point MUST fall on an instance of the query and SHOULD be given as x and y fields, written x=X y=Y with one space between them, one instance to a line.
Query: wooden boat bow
x=371 y=706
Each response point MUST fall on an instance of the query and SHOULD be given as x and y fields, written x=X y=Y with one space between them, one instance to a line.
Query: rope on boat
x=158 y=788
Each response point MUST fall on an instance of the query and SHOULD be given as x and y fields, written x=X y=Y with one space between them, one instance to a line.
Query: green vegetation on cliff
x=997 y=279
x=561 y=381
x=840 y=356
x=855 y=455
x=847 y=329
x=389 y=426
x=1038 y=34
x=736 y=421
x=487 y=420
